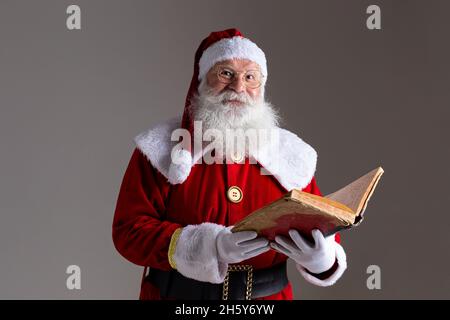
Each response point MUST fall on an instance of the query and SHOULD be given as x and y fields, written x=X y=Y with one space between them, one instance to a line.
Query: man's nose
x=237 y=85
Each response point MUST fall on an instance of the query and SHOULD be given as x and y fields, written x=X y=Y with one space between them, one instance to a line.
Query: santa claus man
x=175 y=208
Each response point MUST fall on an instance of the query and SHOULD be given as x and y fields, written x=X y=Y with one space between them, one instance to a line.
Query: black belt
x=241 y=282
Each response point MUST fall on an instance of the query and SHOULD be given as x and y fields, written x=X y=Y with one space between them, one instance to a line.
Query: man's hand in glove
x=316 y=258
x=239 y=246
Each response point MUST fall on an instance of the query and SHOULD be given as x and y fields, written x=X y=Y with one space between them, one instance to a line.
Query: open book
x=303 y=211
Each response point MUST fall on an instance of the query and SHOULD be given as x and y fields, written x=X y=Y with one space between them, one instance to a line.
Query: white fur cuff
x=196 y=253
x=342 y=265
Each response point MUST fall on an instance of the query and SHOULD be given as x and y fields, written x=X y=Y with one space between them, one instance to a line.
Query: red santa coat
x=156 y=197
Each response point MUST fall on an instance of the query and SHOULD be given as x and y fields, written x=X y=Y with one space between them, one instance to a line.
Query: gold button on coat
x=234 y=194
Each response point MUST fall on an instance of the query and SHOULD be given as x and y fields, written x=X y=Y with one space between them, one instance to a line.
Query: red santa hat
x=220 y=46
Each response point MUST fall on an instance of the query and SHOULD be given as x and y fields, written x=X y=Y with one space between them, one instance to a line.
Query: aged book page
x=356 y=194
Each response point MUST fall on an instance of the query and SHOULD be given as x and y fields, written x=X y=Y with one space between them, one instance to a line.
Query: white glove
x=317 y=258
x=203 y=252
x=239 y=246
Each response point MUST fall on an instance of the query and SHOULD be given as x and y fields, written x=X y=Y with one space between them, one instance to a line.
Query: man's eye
x=250 y=77
x=226 y=74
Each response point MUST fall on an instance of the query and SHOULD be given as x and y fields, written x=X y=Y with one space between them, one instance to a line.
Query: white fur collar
x=292 y=162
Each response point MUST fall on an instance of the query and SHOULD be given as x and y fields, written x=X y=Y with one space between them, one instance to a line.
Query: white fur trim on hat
x=229 y=48
x=342 y=265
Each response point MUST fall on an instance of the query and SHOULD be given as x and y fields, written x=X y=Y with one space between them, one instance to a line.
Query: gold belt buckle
x=249 y=282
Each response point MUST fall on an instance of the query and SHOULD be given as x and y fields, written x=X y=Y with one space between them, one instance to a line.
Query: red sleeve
x=313 y=188
x=139 y=230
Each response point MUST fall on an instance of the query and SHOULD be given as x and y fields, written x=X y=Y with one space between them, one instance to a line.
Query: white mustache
x=230 y=95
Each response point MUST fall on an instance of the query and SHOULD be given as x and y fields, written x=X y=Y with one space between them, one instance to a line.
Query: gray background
x=72 y=101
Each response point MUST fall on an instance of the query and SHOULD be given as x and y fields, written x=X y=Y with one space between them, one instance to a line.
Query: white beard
x=214 y=114
x=256 y=114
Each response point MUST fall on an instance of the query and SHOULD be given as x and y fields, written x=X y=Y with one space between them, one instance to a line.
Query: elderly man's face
x=238 y=84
